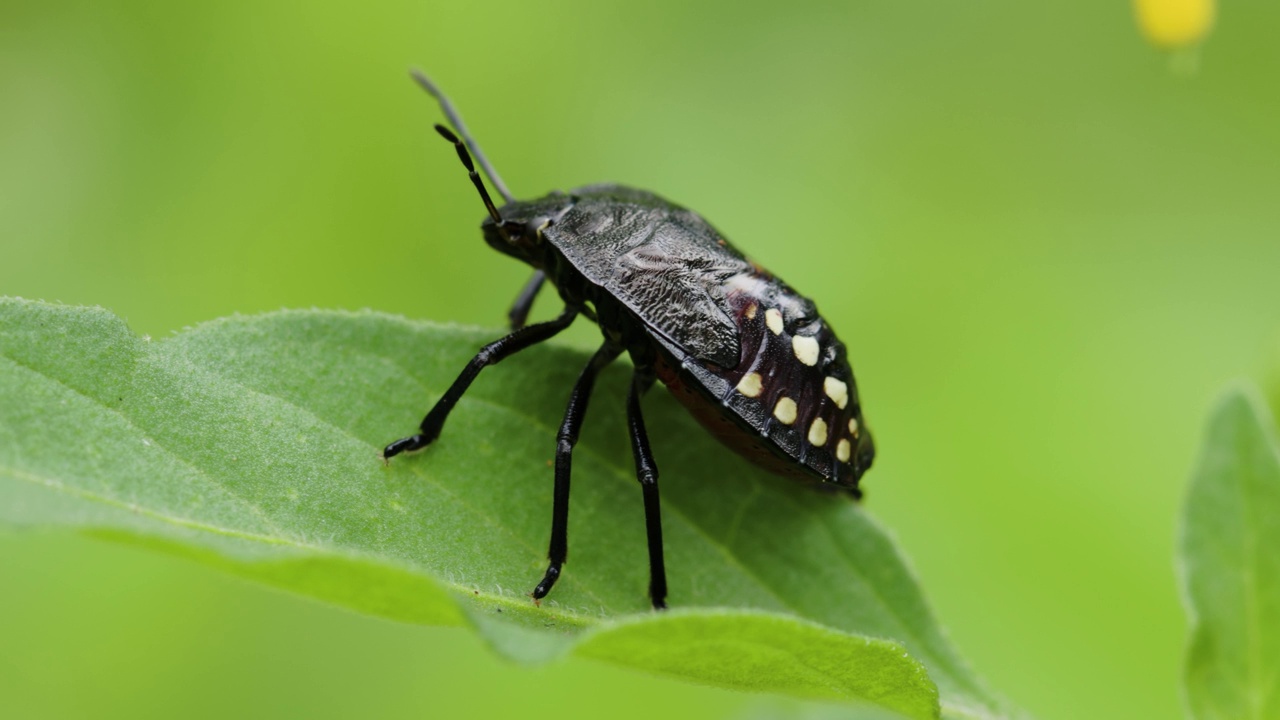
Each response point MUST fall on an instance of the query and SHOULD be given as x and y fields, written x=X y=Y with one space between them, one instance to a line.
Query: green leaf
x=1230 y=551
x=251 y=444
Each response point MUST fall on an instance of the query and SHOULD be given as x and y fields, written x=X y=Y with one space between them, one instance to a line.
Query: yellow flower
x=1174 y=24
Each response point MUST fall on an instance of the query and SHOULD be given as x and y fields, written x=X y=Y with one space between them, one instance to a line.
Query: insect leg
x=524 y=301
x=647 y=474
x=491 y=354
x=565 y=441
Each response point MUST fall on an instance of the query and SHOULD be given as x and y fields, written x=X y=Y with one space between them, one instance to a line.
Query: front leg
x=491 y=354
x=565 y=441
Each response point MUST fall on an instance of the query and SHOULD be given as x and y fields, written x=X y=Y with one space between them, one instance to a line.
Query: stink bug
x=751 y=358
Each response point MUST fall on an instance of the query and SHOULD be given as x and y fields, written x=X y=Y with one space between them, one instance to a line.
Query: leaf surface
x=1230 y=550
x=251 y=444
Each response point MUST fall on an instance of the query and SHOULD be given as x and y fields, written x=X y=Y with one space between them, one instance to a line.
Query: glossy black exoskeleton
x=751 y=358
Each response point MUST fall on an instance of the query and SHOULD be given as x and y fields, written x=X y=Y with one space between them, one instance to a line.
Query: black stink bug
x=751 y=358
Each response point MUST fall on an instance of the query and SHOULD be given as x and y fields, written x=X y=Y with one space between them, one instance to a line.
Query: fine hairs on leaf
x=251 y=444
x=1230 y=563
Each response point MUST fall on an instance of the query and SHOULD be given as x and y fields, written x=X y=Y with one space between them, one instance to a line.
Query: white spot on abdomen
x=785 y=410
x=837 y=391
x=806 y=349
x=818 y=432
x=750 y=384
x=773 y=319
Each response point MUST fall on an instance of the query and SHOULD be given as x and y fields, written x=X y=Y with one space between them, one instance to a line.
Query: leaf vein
x=155 y=441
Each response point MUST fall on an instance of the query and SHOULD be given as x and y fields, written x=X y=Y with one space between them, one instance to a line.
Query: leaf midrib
x=579 y=619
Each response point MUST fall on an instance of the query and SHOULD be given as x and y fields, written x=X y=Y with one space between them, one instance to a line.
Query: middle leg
x=567 y=438
x=647 y=474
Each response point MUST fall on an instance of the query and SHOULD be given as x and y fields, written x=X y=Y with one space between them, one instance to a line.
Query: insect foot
x=409 y=444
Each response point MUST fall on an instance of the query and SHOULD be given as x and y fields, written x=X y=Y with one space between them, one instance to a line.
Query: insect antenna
x=447 y=134
x=456 y=120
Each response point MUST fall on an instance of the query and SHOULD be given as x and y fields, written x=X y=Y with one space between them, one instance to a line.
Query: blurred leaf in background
x=1045 y=252
x=1230 y=567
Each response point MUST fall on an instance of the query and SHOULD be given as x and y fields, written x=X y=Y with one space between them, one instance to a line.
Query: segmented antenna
x=447 y=134
x=456 y=120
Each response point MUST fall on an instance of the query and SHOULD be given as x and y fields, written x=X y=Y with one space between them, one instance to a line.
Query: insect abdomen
x=790 y=403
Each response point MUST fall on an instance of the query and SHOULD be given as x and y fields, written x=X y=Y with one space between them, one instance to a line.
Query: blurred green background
x=1046 y=251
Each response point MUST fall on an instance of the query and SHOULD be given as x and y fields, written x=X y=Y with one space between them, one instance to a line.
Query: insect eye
x=513 y=231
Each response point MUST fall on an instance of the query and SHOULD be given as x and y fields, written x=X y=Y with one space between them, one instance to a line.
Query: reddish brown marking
x=725 y=427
